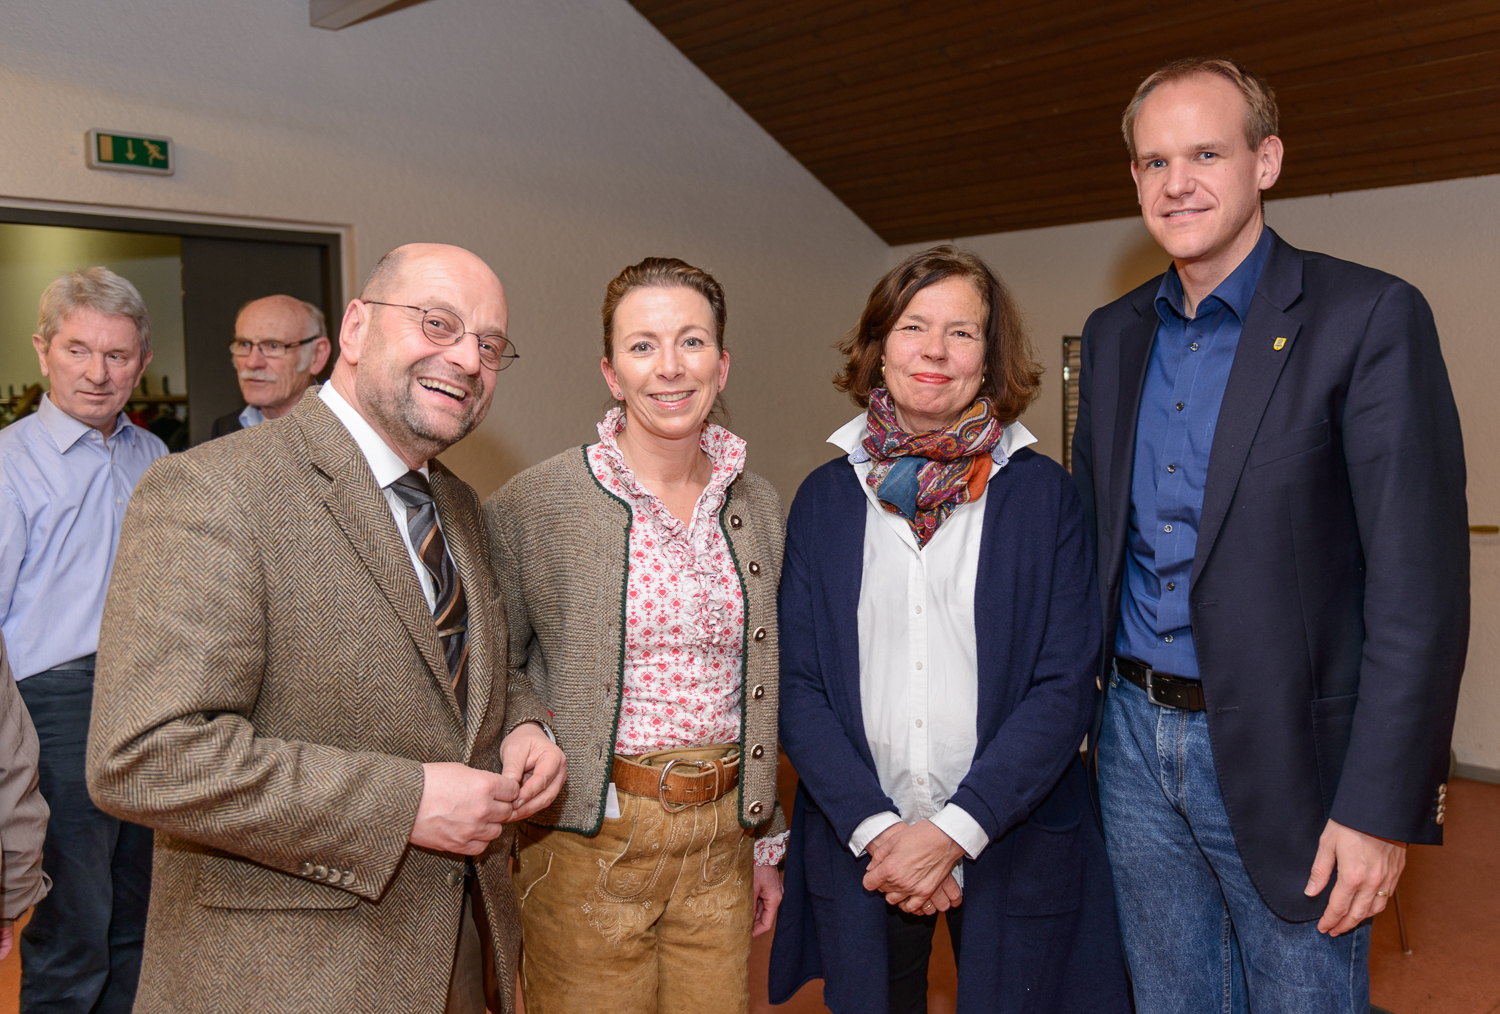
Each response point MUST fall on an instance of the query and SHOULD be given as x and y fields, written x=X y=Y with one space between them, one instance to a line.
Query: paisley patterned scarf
x=924 y=476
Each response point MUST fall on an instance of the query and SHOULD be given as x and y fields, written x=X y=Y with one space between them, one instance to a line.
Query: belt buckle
x=1151 y=690
x=661 y=784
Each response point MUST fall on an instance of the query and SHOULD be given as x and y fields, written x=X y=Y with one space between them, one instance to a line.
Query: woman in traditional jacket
x=639 y=576
x=940 y=649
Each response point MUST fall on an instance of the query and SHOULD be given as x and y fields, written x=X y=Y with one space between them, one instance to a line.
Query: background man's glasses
x=443 y=327
x=241 y=348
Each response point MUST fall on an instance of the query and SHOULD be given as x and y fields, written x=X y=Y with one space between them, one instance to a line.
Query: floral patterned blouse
x=684 y=611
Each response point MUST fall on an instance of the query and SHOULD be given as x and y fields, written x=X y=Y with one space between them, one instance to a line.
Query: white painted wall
x=559 y=140
x=1442 y=237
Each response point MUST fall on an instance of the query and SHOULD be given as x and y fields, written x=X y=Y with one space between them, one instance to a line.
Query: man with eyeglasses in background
x=280 y=344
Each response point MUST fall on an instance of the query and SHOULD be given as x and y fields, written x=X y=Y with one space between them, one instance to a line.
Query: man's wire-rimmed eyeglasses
x=444 y=328
x=241 y=348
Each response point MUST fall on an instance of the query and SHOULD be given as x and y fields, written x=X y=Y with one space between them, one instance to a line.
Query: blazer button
x=348 y=878
x=1439 y=817
x=760 y=633
x=735 y=522
x=758 y=752
x=305 y=869
x=1098 y=682
x=455 y=877
x=754 y=567
x=1443 y=789
x=320 y=872
x=755 y=807
x=758 y=692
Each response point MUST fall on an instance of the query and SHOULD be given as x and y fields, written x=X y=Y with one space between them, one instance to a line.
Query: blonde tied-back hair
x=665 y=273
x=1262 y=119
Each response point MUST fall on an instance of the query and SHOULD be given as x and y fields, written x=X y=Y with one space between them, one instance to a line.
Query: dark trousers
x=908 y=940
x=81 y=951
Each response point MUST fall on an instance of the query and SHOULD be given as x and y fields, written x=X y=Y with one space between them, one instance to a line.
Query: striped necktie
x=451 y=613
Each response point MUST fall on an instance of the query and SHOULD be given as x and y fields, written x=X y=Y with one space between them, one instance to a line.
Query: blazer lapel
x=1258 y=362
x=1134 y=350
x=361 y=511
x=473 y=570
x=846 y=548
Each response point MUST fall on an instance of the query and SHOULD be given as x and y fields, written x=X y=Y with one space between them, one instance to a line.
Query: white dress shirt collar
x=850 y=438
x=384 y=462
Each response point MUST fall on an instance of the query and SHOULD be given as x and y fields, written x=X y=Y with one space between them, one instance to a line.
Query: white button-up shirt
x=918 y=653
x=387 y=467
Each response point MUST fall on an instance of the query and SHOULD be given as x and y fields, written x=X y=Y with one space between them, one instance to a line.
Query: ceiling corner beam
x=336 y=14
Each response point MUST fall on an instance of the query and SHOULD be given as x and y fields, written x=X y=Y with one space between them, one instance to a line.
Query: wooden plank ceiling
x=940 y=118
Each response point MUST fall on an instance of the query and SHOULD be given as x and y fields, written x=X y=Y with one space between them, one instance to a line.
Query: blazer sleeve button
x=735 y=522
x=305 y=869
x=1439 y=817
x=760 y=633
x=320 y=872
x=348 y=878
x=756 y=807
x=758 y=752
x=758 y=692
x=754 y=567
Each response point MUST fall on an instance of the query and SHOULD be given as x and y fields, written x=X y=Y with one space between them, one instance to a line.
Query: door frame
x=334 y=239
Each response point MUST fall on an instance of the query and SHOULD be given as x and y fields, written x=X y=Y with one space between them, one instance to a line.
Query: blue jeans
x=1198 y=937
x=81 y=951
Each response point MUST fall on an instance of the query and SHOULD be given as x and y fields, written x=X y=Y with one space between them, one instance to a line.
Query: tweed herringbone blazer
x=269 y=684
x=559 y=544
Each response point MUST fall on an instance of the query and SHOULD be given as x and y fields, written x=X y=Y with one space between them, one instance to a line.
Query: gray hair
x=97 y=289
x=317 y=324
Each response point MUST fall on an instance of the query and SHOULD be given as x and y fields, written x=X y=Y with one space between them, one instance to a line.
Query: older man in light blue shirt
x=66 y=475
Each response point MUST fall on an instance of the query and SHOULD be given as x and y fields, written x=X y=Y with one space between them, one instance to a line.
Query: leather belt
x=1162 y=687
x=678 y=784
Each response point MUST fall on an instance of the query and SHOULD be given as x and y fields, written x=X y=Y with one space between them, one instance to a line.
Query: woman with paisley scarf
x=940 y=646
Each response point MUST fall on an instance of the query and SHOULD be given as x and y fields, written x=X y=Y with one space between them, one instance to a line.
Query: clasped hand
x=463 y=809
x=912 y=865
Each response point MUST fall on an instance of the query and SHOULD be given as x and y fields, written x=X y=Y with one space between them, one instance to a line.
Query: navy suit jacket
x=1329 y=593
x=1039 y=927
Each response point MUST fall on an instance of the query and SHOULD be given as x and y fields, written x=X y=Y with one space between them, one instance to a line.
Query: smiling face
x=1198 y=179
x=275 y=385
x=93 y=363
x=422 y=398
x=934 y=355
x=667 y=365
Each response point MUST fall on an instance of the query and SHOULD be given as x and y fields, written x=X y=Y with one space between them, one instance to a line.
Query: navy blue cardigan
x=1039 y=930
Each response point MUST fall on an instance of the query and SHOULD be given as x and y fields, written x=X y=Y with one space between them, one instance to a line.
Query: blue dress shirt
x=251 y=416
x=63 y=493
x=1185 y=380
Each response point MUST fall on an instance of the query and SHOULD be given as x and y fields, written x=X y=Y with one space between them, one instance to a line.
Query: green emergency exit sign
x=131 y=153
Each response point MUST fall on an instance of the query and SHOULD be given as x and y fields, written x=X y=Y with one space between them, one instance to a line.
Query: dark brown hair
x=666 y=273
x=1262 y=119
x=1012 y=376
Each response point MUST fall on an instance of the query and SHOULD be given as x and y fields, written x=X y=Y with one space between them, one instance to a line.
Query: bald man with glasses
x=280 y=344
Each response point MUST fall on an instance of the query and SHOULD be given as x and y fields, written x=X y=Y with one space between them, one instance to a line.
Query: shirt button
x=1168 y=638
x=919 y=723
x=1166 y=528
x=1194 y=346
x=1171 y=468
x=921 y=780
x=919 y=610
x=118 y=500
x=1179 y=406
x=1171 y=586
x=919 y=665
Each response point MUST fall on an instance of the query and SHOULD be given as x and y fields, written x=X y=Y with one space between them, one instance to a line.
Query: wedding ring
x=1382 y=894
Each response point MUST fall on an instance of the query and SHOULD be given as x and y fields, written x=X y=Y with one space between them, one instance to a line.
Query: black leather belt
x=1162 y=687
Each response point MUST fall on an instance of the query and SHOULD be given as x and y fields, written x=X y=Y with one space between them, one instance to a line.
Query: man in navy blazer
x=1270 y=457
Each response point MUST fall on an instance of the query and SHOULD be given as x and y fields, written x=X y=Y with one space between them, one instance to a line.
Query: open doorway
x=193 y=276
